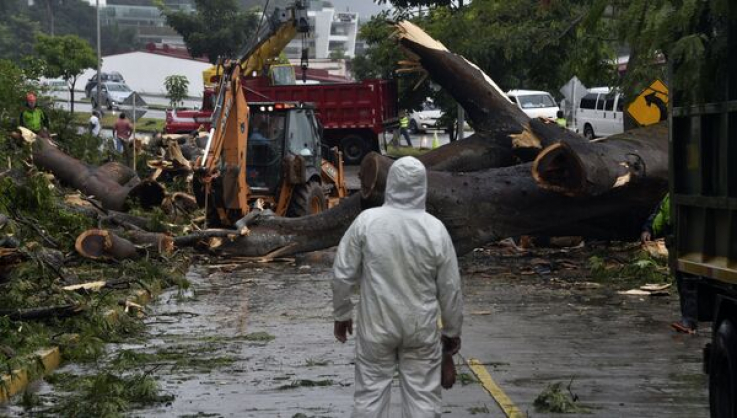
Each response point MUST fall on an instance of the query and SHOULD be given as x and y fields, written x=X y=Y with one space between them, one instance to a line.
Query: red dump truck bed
x=353 y=115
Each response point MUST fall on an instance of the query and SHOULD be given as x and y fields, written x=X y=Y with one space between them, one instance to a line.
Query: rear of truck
x=703 y=157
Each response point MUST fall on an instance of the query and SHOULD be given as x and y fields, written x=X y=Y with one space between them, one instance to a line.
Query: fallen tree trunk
x=100 y=244
x=498 y=123
x=594 y=168
x=61 y=311
x=102 y=182
x=489 y=205
x=486 y=205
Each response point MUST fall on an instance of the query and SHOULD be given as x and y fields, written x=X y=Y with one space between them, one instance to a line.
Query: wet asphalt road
x=255 y=340
x=528 y=330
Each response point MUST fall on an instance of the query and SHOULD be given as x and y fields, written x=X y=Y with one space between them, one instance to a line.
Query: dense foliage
x=21 y=24
x=541 y=44
x=219 y=28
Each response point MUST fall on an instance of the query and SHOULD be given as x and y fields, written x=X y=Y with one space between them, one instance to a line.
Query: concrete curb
x=16 y=382
x=50 y=358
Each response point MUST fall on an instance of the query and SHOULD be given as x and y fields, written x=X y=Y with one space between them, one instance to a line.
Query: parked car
x=600 y=113
x=426 y=118
x=54 y=89
x=54 y=85
x=535 y=103
x=113 y=76
x=111 y=95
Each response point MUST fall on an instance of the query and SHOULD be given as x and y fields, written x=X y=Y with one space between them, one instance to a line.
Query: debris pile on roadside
x=82 y=248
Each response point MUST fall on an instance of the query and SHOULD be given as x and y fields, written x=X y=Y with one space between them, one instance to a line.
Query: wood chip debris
x=650 y=289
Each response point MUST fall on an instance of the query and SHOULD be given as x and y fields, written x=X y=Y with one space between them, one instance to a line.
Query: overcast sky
x=365 y=8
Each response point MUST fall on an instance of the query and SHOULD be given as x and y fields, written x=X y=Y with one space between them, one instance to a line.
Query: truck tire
x=354 y=149
x=307 y=199
x=413 y=128
x=723 y=371
x=588 y=132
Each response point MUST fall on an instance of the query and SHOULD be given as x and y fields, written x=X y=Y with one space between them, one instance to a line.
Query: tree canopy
x=219 y=28
x=22 y=23
x=65 y=57
x=541 y=44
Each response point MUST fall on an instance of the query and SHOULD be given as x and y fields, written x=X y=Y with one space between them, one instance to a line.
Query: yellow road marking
x=501 y=398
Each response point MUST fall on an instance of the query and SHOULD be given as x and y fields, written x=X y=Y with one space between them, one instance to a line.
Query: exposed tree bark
x=494 y=118
x=488 y=205
x=179 y=203
x=161 y=243
x=93 y=181
x=61 y=311
x=9 y=258
x=594 y=168
x=198 y=237
x=100 y=244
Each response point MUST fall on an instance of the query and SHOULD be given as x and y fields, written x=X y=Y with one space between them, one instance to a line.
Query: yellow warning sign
x=651 y=105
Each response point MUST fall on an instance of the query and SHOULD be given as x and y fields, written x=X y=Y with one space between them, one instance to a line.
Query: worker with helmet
x=33 y=117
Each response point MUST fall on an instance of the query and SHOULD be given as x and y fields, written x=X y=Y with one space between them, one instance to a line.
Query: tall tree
x=219 y=28
x=17 y=36
x=520 y=43
x=65 y=57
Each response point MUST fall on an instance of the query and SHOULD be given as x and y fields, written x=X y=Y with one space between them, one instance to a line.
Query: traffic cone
x=423 y=142
x=435 y=141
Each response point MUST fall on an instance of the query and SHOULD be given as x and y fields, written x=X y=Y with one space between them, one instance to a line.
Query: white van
x=600 y=113
x=535 y=104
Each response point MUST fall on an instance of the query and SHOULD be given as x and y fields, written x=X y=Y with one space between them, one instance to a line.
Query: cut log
x=161 y=243
x=93 y=181
x=100 y=244
x=117 y=172
x=595 y=168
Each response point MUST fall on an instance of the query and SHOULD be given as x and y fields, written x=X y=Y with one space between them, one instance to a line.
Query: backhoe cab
x=285 y=167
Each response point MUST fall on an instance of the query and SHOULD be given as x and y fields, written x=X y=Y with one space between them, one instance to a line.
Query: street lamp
x=99 y=54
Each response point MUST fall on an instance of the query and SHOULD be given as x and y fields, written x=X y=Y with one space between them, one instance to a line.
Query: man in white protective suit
x=403 y=260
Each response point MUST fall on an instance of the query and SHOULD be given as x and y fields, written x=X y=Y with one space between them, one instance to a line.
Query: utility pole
x=99 y=56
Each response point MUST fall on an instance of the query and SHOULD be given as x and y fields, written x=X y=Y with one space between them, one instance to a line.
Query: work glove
x=342 y=328
x=447 y=368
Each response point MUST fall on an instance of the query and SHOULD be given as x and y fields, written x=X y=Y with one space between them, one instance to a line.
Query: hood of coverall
x=406 y=184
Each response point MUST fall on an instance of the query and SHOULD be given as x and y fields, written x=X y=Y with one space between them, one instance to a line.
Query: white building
x=333 y=33
x=145 y=72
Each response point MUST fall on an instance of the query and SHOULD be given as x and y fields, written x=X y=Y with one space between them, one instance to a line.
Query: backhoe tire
x=723 y=371
x=307 y=199
x=354 y=149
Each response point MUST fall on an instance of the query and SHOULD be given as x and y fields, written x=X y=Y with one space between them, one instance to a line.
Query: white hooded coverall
x=404 y=261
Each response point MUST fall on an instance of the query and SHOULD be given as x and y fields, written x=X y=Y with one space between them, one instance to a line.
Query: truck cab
x=277 y=130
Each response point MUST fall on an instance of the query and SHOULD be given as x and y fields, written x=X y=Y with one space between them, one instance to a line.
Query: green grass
x=148 y=125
